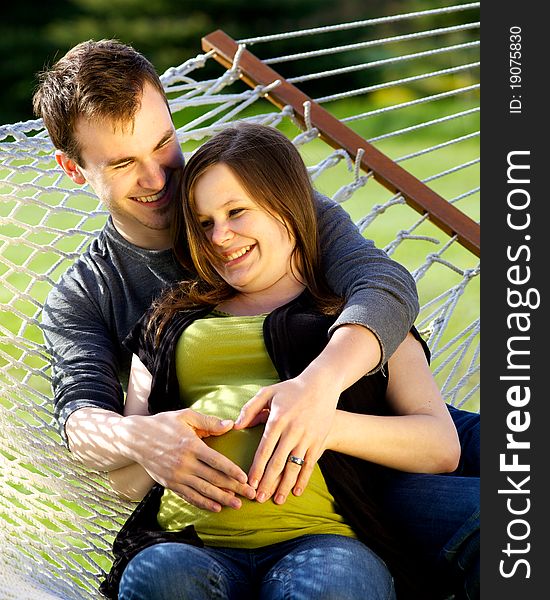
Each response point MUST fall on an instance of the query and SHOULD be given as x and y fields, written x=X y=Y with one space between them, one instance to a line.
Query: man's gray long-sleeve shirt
x=90 y=311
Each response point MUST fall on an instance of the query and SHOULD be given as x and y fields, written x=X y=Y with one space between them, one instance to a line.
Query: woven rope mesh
x=57 y=519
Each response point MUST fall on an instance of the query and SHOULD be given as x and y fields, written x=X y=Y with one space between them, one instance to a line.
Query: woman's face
x=254 y=247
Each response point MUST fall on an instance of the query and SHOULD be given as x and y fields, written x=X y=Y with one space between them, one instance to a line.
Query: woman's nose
x=221 y=233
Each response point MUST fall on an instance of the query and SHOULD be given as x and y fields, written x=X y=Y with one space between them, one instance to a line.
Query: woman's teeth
x=237 y=254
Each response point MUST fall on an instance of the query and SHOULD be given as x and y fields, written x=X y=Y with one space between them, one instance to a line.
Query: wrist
x=94 y=437
x=131 y=436
x=351 y=353
x=328 y=383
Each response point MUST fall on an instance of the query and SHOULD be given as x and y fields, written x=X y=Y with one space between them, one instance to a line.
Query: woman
x=255 y=319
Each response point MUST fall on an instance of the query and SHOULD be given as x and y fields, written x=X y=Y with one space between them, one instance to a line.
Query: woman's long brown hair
x=271 y=170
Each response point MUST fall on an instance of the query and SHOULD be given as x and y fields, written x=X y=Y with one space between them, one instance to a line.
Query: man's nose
x=152 y=176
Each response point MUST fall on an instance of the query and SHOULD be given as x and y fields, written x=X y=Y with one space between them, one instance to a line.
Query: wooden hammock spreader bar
x=338 y=135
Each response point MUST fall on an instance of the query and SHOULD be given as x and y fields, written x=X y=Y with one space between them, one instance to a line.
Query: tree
x=34 y=33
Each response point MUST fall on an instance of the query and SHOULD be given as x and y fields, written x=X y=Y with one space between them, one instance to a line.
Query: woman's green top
x=221 y=363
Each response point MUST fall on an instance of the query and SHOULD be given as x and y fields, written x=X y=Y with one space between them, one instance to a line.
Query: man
x=107 y=115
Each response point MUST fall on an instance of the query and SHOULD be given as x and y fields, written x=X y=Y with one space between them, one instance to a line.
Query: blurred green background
x=34 y=33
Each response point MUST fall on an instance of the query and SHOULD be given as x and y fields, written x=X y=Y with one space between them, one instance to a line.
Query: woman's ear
x=70 y=167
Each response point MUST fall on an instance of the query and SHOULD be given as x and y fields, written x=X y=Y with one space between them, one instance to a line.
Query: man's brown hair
x=95 y=80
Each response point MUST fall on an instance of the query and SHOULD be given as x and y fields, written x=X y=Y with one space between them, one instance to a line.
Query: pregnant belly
x=239 y=446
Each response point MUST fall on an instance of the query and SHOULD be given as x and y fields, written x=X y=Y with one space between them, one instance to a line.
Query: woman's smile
x=235 y=256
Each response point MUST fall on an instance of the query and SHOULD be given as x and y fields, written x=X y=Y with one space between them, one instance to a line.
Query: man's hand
x=168 y=446
x=179 y=460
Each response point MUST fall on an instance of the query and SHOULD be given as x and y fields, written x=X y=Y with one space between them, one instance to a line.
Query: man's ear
x=70 y=167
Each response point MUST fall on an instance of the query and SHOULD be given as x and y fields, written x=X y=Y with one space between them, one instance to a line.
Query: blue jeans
x=312 y=567
x=438 y=518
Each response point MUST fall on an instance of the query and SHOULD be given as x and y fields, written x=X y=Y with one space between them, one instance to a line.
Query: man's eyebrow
x=119 y=161
x=169 y=133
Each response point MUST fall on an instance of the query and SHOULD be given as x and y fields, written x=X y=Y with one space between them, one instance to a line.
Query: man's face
x=131 y=168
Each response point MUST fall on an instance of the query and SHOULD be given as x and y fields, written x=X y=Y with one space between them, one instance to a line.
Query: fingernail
x=254 y=483
x=226 y=422
x=298 y=492
x=235 y=503
x=280 y=499
x=260 y=497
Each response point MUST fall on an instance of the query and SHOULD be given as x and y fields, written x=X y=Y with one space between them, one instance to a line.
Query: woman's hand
x=298 y=414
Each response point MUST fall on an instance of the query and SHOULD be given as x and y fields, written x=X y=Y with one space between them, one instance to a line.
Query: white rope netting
x=418 y=104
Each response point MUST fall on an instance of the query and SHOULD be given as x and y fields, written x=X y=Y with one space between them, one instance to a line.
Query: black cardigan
x=294 y=334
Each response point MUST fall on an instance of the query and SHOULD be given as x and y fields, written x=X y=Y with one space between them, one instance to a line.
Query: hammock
x=397 y=147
